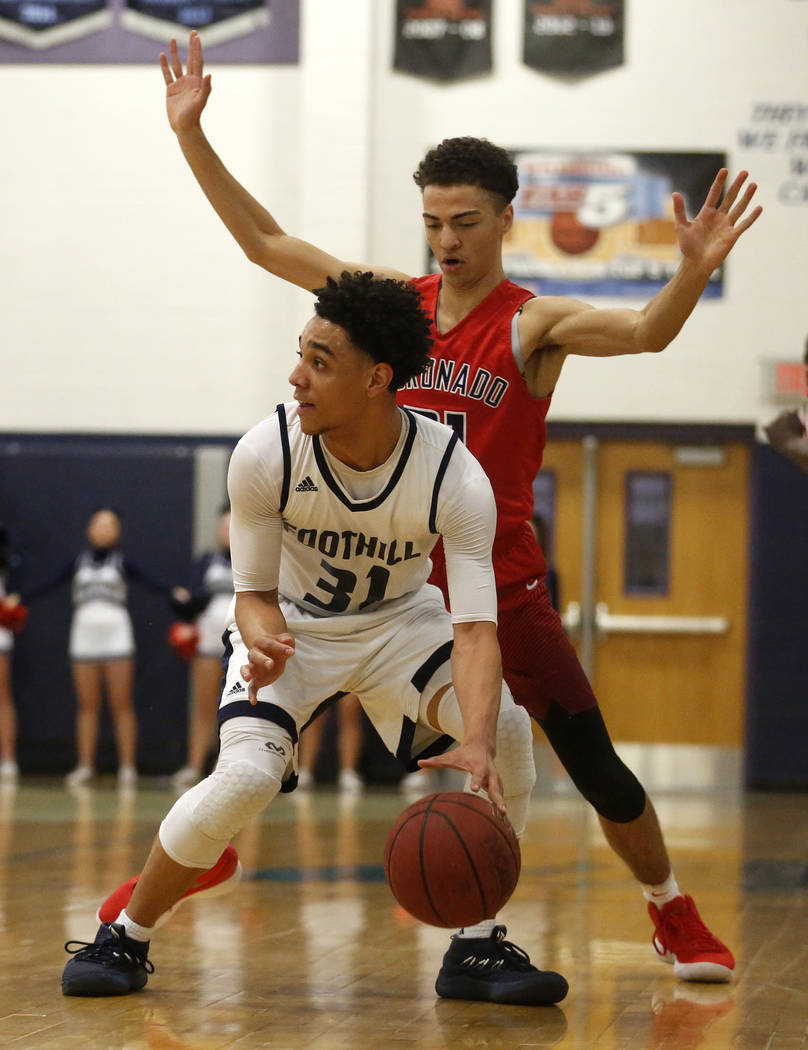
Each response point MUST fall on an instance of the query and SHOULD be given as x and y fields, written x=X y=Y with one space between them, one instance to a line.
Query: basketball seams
x=468 y=856
x=511 y=839
x=421 y=855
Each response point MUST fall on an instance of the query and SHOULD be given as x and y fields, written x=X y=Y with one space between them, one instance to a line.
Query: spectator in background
x=209 y=598
x=102 y=644
x=349 y=744
x=788 y=433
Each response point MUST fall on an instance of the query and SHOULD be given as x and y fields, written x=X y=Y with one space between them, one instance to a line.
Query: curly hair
x=383 y=318
x=468 y=161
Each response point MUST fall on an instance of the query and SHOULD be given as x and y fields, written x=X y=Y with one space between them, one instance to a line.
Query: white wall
x=126 y=307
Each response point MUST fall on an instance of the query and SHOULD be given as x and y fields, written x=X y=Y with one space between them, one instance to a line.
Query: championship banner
x=443 y=39
x=117 y=31
x=601 y=223
x=573 y=36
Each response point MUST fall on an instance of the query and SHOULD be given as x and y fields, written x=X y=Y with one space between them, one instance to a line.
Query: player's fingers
x=496 y=792
x=753 y=217
x=714 y=196
x=195 y=64
x=734 y=190
x=169 y=79
x=679 y=213
x=259 y=662
x=176 y=65
x=742 y=204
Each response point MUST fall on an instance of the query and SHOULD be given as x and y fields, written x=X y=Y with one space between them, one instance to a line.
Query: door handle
x=619 y=623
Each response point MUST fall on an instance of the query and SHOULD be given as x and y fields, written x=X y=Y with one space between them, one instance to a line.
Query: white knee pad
x=514 y=759
x=247 y=777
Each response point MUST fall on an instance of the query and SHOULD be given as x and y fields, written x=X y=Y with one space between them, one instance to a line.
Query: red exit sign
x=790 y=378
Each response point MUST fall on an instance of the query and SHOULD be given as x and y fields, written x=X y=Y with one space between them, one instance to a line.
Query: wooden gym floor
x=312 y=952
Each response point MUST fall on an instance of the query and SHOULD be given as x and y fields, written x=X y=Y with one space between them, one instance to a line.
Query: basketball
x=452 y=859
x=570 y=235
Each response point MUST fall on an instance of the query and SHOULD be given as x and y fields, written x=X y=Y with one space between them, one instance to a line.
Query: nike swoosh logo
x=532 y=586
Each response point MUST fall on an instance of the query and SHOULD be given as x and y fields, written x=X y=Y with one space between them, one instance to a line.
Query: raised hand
x=710 y=237
x=186 y=93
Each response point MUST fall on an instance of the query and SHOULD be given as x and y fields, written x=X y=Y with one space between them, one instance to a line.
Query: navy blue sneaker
x=492 y=970
x=113 y=964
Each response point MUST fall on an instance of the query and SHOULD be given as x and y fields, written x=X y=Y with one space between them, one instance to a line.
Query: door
x=649 y=540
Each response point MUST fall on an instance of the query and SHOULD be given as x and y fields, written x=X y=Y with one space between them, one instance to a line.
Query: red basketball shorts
x=538 y=662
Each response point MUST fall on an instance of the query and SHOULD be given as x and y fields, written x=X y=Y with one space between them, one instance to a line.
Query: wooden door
x=670 y=567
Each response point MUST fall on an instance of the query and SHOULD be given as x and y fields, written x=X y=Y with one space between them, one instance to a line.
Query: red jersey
x=475 y=385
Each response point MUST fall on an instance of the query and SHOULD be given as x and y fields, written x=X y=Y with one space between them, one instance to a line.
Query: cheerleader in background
x=211 y=592
x=102 y=644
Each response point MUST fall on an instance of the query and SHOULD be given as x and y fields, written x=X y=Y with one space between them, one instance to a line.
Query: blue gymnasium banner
x=573 y=37
x=600 y=223
x=135 y=31
x=443 y=39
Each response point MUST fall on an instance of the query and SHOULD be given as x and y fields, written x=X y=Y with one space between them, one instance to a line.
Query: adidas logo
x=235 y=689
x=306 y=485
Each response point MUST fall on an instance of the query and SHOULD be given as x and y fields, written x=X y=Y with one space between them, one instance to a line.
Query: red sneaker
x=223 y=877
x=681 y=938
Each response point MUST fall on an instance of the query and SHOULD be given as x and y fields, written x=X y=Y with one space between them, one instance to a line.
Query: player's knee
x=238 y=793
x=205 y=819
x=582 y=743
x=616 y=794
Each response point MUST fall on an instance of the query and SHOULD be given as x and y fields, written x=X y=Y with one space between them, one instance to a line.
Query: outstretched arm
x=570 y=327
x=261 y=238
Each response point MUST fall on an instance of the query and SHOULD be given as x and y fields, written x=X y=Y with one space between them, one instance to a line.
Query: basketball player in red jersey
x=498 y=356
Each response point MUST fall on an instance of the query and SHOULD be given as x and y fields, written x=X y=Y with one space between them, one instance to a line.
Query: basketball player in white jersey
x=337 y=500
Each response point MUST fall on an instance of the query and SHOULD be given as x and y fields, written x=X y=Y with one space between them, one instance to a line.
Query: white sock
x=133 y=929
x=664 y=892
x=482 y=929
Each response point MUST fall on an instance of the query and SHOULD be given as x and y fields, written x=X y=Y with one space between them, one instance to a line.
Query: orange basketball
x=570 y=235
x=452 y=859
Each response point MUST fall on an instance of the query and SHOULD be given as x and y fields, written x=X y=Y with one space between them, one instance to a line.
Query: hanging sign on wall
x=573 y=37
x=443 y=39
x=118 y=31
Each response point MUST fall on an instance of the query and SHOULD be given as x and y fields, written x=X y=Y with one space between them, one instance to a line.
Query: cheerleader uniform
x=211 y=595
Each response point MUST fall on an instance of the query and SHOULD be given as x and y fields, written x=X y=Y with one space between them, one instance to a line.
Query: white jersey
x=336 y=541
x=99 y=579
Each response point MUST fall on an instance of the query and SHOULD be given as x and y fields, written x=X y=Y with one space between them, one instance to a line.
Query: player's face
x=330 y=379
x=464 y=231
x=104 y=529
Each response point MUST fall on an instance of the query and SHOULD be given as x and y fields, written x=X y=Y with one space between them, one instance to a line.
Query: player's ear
x=380 y=378
x=506 y=218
